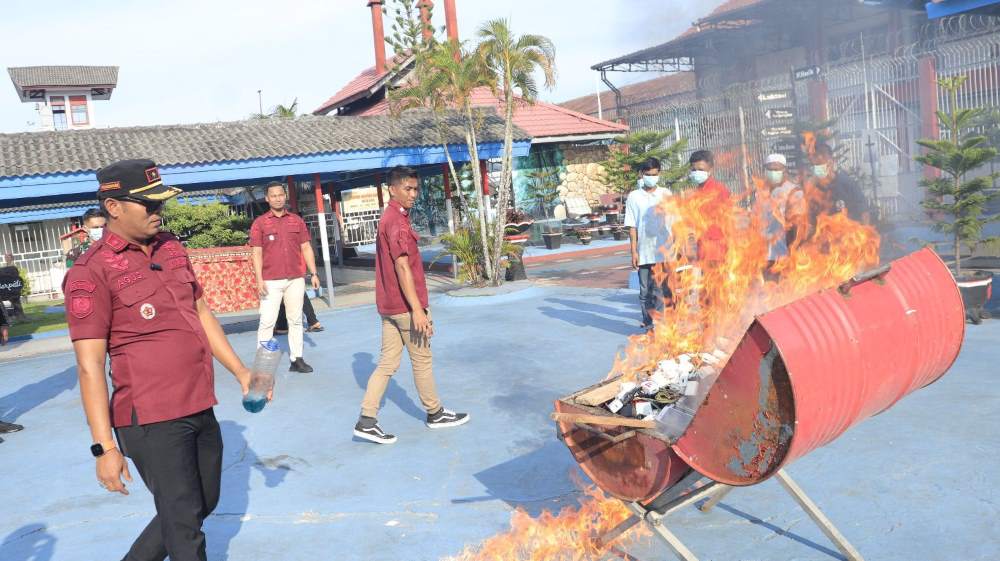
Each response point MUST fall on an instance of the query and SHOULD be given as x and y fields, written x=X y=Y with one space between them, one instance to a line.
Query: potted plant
x=585 y=236
x=620 y=234
x=518 y=227
x=553 y=239
x=960 y=202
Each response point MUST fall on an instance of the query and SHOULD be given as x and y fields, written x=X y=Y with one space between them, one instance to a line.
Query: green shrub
x=211 y=225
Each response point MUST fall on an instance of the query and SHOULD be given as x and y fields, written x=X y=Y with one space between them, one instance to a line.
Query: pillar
x=293 y=194
x=378 y=191
x=927 y=91
x=323 y=238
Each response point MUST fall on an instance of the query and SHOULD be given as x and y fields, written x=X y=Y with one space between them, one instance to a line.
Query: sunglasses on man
x=152 y=207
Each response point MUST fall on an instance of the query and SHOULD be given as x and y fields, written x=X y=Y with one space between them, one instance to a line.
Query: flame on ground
x=567 y=536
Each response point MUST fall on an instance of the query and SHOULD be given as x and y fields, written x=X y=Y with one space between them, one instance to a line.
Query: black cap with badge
x=138 y=180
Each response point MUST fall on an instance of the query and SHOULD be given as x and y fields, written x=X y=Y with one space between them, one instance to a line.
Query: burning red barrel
x=633 y=464
x=801 y=376
x=806 y=372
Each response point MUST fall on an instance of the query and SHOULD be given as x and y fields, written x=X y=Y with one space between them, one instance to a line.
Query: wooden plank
x=599 y=395
x=601 y=420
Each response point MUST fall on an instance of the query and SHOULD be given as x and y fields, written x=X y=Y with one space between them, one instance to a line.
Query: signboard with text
x=362 y=199
x=807 y=72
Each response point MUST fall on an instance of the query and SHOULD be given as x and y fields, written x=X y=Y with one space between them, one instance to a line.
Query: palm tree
x=283 y=112
x=279 y=111
x=512 y=61
x=444 y=77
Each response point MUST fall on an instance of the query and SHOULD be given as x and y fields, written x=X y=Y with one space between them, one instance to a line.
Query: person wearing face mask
x=839 y=192
x=649 y=231
x=93 y=222
x=712 y=246
x=781 y=209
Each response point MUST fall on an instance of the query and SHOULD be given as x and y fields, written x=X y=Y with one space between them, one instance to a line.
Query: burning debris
x=654 y=392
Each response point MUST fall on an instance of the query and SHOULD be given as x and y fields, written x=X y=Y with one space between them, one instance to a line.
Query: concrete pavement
x=917 y=482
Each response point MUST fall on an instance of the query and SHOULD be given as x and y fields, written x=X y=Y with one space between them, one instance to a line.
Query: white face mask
x=95 y=233
x=821 y=171
x=698 y=176
x=775 y=177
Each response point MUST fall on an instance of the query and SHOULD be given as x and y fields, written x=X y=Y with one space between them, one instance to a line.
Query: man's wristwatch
x=99 y=449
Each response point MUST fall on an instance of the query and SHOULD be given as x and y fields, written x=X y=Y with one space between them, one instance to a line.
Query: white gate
x=36 y=248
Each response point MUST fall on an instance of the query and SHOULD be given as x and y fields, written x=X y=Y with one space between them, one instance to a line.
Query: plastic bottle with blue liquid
x=265 y=364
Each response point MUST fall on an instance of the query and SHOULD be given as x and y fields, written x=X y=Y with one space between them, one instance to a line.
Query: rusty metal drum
x=806 y=372
x=630 y=464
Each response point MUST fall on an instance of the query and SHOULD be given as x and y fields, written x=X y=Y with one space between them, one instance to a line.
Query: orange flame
x=571 y=535
x=716 y=297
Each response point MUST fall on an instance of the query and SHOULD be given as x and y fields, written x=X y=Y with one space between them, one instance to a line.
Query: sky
x=192 y=61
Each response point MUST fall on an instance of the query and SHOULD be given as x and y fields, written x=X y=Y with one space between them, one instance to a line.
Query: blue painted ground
x=918 y=482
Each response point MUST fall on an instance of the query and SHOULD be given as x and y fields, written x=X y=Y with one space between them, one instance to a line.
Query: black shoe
x=368 y=429
x=9 y=427
x=444 y=419
x=299 y=365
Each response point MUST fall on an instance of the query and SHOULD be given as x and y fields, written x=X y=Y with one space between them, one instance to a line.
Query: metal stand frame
x=692 y=489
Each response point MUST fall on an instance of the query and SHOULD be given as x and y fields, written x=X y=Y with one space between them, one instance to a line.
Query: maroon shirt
x=396 y=238
x=161 y=360
x=280 y=239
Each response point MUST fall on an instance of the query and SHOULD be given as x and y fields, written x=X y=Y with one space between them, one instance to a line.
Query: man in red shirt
x=281 y=255
x=712 y=246
x=401 y=299
x=134 y=295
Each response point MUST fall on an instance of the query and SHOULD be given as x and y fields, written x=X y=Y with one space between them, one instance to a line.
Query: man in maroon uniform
x=134 y=295
x=281 y=255
x=401 y=299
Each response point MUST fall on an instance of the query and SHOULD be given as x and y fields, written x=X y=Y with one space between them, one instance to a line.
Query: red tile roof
x=722 y=9
x=361 y=85
x=635 y=94
x=540 y=119
x=671 y=48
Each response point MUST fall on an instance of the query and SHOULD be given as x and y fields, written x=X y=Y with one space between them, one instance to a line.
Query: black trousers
x=180 y=461
x=307 y=309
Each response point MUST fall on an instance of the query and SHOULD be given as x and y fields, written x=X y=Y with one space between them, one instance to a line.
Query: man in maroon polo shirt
x=401 y=299
x=281 y=255
x=133 y=295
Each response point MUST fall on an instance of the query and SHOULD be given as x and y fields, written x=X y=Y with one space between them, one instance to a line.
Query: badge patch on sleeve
x=81 y=306
x=82 y=284
x=147 y=311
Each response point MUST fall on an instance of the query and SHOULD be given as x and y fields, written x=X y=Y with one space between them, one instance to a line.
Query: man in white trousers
x=281 y=256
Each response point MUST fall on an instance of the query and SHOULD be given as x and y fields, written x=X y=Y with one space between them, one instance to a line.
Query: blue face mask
x=821 y=171
x=698 y=176
x=775 y=177
x=650 y=181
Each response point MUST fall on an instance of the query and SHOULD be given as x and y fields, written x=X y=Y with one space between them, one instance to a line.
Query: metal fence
x=36 y=248
x=875 y=100
x=741 y=126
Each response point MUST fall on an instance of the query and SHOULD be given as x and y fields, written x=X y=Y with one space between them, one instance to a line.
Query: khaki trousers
x=397 y=332
x=292 y=291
